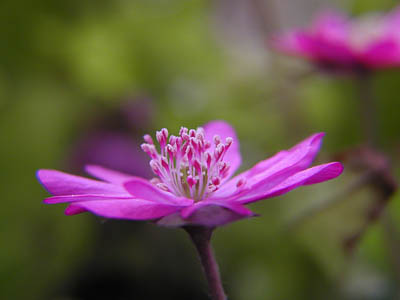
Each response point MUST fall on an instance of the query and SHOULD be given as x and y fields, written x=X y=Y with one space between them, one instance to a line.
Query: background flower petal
x=294 y=42
x=383 y=53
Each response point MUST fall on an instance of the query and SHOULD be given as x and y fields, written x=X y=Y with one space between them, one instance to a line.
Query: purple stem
x=201 y=237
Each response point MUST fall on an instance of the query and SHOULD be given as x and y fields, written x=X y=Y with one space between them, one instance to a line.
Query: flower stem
x=201 y=237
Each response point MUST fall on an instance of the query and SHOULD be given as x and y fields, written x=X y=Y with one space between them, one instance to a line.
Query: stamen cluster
x=187 y=165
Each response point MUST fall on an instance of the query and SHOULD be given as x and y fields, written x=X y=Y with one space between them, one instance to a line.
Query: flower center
x=188 y=165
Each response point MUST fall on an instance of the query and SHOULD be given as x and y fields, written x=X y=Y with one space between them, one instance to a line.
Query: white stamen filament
x=187 y=165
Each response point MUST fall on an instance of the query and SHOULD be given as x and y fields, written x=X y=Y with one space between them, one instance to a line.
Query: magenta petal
x=229 y=188
x=308 y=148
x=217 y=214
x=237 y=208
x=107 y=174
x=392 y=20
x=333 y=53
x=143 y=189
x=59 y=184
x=133 y=209
x=272 y=171
x=312 y=175
x=300 y=156
x=293 y=43
x=325 y=42
x=74 y=210
x=320 y=173
x=87 y=197
x=384 y=53
x=173 y=220
x=331 y=25
x=225 y=130
x=330 y=41
x=287 y=163
x=207 y=213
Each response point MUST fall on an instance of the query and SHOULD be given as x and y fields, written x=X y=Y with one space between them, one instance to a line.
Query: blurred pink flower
x=335 y=41
x=193 y=186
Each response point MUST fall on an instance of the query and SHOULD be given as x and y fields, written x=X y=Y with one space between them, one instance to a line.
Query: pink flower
x=193 y=184
x=335 y=41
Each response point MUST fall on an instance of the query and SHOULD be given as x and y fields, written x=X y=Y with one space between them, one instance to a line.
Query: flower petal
x=322 y=173
x=215 y=213
x=74 y=210
x=132 y=209
x=296 y=43
x=312 y=175
x=225 y=130
x=143 y=189
x=330 y=33
x=392 y=20
x=382 y=53
x=277 y=168
x=207 y=213
x=86 y=197
x=107 y=174
x=60 y=184
x=239 y=209
x=326 y=41
x=331 y=25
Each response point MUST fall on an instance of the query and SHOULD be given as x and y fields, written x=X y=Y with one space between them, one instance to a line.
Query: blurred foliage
x=63 y=61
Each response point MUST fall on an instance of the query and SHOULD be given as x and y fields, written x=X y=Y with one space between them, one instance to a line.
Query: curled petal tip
x=47 y=201
x=73 y=210
x=318 y=135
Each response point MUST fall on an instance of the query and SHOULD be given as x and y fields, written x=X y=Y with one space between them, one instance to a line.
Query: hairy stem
x=201 y=237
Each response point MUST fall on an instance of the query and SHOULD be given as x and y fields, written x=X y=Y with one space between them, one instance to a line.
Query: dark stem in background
x=367 y=106
x=334 y=199
x=201 y=237
x=392 y=237
x=385 y=184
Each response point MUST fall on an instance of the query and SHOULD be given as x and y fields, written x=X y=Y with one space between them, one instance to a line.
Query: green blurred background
x=74 y=70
